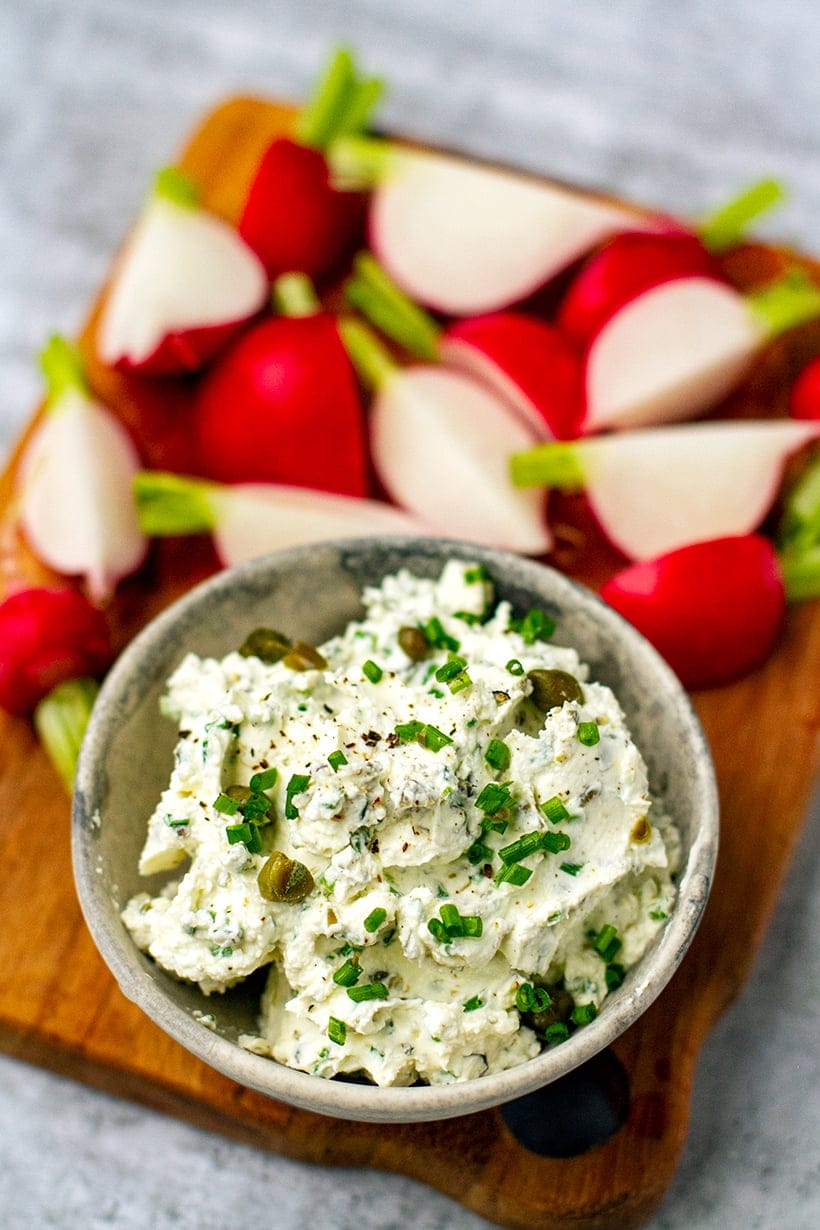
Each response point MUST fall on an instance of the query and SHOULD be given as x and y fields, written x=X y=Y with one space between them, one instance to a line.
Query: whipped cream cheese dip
x=435 y=830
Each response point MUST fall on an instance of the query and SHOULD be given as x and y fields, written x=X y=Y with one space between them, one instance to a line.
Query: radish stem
x=60 y=720
x=62 y=365
x=370 y=358
x=359 y=162
x=800 y=537
x=316 y=125
x=293 y=294
x=556 y=464
x=168 y=504
x=172 y=185
x=726 y=226
x=378 y=297
x=790 y=301
x=356 y=117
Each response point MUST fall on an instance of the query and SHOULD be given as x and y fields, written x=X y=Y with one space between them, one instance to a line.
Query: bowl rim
x=353 y=1100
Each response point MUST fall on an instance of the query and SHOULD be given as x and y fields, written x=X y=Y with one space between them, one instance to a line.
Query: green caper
x=304 y=657
x=552 y=688
x=265 y=643
x=240 y=793
x=414 y=643
x=283 y=879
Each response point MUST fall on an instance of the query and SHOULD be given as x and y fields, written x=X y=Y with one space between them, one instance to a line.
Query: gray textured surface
x=671 y=104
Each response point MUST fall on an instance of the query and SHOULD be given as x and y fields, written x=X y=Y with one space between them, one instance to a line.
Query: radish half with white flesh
x=679 y=348
x=464 y=239
x=440 y=443
x=250 y=519
x=532 y=365
x=185 y=282
x=662 y=488
x=76 y=506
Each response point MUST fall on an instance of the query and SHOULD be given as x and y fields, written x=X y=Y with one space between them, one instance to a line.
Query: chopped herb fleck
x=523 y=847
x=375 y=919
x=347 y=975
x=614 y=976
x=515 y=667
x=532 y=999
x=337 y=1031
x=582 y=1014
x=535 y=626
x=372 y=670
x=588 y=733
x=454 y=666
x=297 y=785
x=557 y=1032
x=264 y=781
x=224 y=803
x=554 y=810
x=336 y=760
x=606 y=943
x=370 y=990
x=513 y=873
x=475 y=1002
x=571 y=869
x=479 y=853
x=555 y=842
x=437 y=637
x=494 y=797
x=498 y=755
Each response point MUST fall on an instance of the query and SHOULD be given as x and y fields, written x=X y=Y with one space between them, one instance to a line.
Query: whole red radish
x=714 y=609
x=804 y=401
x=184 y=283
x=282 y=406
x=294 y=217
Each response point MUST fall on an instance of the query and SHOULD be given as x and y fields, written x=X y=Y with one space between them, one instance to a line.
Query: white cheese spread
x=472 y=856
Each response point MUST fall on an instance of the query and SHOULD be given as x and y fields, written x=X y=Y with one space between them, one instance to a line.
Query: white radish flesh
x=474 y=363
x=440 y=444
x=75 y=498
x=669 y=354
x=182 y=269
x=465 y=239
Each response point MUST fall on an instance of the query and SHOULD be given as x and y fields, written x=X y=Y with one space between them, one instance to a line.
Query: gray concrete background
x=673 y=104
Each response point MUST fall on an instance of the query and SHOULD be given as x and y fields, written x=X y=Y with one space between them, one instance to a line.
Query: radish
x=681 y=346
x=75 y=503
x=440 y=441
x=282 y=404
x=251 y=519
x=531 y=365
x=661 y=488
x=52 y=641
x=183 y=285
x=293 y=217
x=804 y=400
x=632 y=263
x=464 y=239
x=714 y=610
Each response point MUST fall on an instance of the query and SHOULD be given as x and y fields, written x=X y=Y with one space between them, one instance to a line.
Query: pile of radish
x=456 y=385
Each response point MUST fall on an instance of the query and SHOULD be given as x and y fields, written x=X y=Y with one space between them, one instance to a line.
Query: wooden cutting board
x=60 y=1007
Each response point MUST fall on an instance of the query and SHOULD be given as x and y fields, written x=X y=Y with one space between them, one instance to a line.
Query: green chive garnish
x=479 y=573
x=452 y=920
x=264 y=781
x=555 y=842
x=336 y=760
x=435 y=739
x=297 y=784
x=493 y=797
x=467 y=617
x=347 y=975
x=437 y=637
x=472 y=926
x=370 y=990
x=532 y=999
x=554 y=810
x=588 y=733
x=582 y=1014
x=535 y=626
x=492 y=824
x=372 y=670
x=257 y=807
x=247 y=833
x=515 y=667
x=513 y=873
x=571 y=869
x=375 y=919
x=498 y=755
x=479 y=853
x=472 y=1004
x=522 y=848
x=461 y=681
x=614 y=976
x=408 y=732
x=337 y=1031
x=606 y=943
x=224 y=803
x=557 y=1032
x=438 y=930
x=451 y=668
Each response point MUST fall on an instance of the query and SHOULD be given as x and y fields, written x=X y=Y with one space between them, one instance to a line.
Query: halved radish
x=282 y=404
x=293 y=217
x=440 y=441
x=532 y=365
x=680 y=347
x=76 y=507
x=799 y=536
x=183 y=284
x=714 y=610
x=251 y=519
x=804 y=400
x=464 y=239
x=658 y=489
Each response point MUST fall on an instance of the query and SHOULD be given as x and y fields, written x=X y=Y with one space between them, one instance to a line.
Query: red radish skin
x=282 y=406
x=532 y=365
x=804 y=401
x=713 y=610
x=294 y=219
x=47 y=636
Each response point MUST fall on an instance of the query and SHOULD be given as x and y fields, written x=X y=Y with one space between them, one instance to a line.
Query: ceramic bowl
x=127 y=756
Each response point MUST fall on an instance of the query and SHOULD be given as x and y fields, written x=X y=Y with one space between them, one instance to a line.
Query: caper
x=414 y=643
x=304 y=657
x=265 y=643
x=641 y=830
x=283 y=879
x=241 y=793
x=552 y=688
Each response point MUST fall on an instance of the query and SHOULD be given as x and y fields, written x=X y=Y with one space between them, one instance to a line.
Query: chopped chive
x=435 y=739
x=557 y=1032
x=467 y=617
x=370 y=990
x=461 y=682
x=451 y=668
x=515 y=667
x=657 y=915
x=606 y=943
x=438 y=930
x=513 y=873
x=555 y=842
x=472 y=1004
x=493 y=797
x=532 y=999
x=297 y=785
x=389 y=936
x=437 y=637
x=535 y=626
x=479 y=853
x=348 y=974
x=472 y=926
x=571 y=869
x=588 y=733
x=264 y=781
x=554 y=810
x=494 y=825
x=372 y=671
x=452 y=920
x=375 y=919
x=498 y=755
x=409 y=731
x=336 y=760
x=337 y=1031
x=224 y=803
x=582 y=1014
x=257 y=807
x=246 y=833
x=522 y=848
x=479 y=573
x=614 y=976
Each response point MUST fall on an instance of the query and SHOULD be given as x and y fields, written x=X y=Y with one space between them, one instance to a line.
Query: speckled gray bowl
x=127 y=755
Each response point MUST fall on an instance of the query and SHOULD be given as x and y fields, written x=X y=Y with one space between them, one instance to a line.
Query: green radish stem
x=62 y=365
x=726 y=226
x=372 y=360
x=378 y=297
x=358 y=163
x=172 y=185
x=293 y=294
x=557 y=464
x=356 y=118
x=800 y=536
x=168 y=504
x=801 y=574
x=790 y=301
x=60 y=720
x=342 y=103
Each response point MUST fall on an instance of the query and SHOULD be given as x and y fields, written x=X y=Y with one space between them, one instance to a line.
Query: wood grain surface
x=60 y=1007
